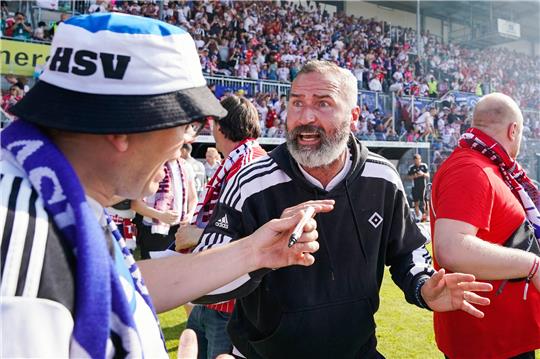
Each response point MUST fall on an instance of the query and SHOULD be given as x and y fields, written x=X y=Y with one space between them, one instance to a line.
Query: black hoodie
x=325 y=310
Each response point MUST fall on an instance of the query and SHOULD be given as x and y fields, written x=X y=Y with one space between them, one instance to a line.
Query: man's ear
x=119 y=142
x=217 y=126
x=513 y=131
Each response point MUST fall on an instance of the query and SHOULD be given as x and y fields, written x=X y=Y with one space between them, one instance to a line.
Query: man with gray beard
x=326 y=311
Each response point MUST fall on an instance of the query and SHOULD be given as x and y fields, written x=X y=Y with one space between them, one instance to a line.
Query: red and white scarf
x=171 y=195
x=242 y=154
x=513 y=175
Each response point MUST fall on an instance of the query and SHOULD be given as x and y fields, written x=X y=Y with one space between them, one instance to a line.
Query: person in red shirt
x=271 y=116
x=482 y=204
x=15 y=95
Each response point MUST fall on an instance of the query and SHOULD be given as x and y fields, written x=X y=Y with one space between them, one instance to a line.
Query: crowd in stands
x=271 y=41
x=440 y=123
x=16 y=26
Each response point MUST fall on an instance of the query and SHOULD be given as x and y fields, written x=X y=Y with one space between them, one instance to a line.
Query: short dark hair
x=242 y=120
x=187 y=147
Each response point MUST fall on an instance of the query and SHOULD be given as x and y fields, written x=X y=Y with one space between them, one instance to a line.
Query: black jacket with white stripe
x=325 y=310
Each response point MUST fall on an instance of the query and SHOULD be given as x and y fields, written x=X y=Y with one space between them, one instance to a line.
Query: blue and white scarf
x=101 y=306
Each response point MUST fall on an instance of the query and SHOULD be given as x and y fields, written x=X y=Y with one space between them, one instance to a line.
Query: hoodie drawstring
x=326 y=247
x=356 y=226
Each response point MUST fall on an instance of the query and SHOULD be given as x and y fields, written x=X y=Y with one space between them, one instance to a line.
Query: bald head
x=494 y=112
x=499 y=116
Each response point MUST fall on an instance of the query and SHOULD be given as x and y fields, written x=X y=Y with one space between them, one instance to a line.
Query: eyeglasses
x=193 y=129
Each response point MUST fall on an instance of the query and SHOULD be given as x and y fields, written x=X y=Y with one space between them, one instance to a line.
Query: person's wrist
x=534 y=269
x=162 y=216
x=250 y=253
x=528 y=264
x=532 y=274
x=419 y=293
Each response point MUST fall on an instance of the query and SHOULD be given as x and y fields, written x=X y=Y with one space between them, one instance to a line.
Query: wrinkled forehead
x=316 y=84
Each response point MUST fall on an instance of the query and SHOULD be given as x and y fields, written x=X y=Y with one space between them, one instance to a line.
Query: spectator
x=98 y=6
x=39 y=32
x=397 y=87
x=282 y=131
x=63 y=17
x=423 y=90
x=15 y=95
x=171 y=206
x=271 y=117
x=235 y=136
x=375 y=84
x=211 y=163
x=254 y=70
x=442 y=119
x=4 y=9
x=283 y=72
x=122 y=215
x=272 y=72
x=391 y=134
x=273 y=130
x=437 y=161
x=485 y=221
x=424 y=123
x=411 y=135
x=362 y=127
x=197 y=166
x=20 y=29
x=18 y=81
x=242 y=69
x=294 y=69
x=448 y=137
x=419 y=173
x=432 y=87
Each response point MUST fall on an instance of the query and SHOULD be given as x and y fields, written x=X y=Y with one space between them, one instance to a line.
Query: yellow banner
x=21 y=58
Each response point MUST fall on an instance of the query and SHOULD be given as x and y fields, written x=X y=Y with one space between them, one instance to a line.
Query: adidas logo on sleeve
x=223 y=222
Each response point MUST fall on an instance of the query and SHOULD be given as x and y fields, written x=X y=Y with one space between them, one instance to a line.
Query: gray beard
x=330 y=148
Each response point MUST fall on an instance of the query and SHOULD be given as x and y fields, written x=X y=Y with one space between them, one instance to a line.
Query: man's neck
x=228 y=147
x=85 y=165
x=103 y=199
x=325 y=174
